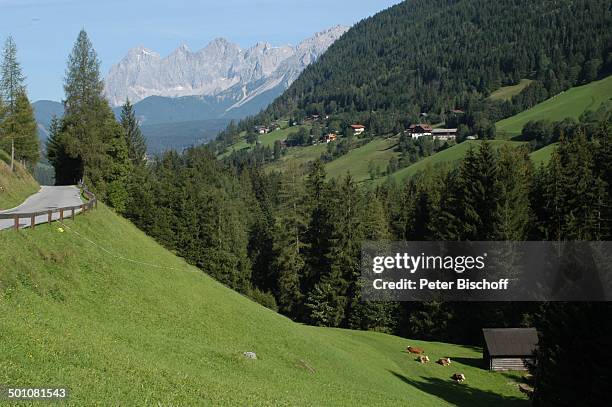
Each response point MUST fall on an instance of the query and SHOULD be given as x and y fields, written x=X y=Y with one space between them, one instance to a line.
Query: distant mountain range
x=188 y=97
x=223 y=75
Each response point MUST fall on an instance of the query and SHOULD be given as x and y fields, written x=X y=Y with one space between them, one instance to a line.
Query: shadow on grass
x=474 y=362
x=461 y=394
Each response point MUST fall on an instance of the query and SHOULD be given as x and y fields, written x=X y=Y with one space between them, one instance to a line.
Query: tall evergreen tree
x=137 y=146
x=291 y=223
x=11 y=78
x=90 y=135
x=575 y=195
x=318 y=233
x=480 y=193
x=19 y=127
x=514 y=182
x=66 y=167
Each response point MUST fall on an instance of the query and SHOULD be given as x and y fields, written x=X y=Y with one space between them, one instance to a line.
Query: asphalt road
x=47 y=198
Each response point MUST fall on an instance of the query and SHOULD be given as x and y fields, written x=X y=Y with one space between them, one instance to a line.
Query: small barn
x=509 y=348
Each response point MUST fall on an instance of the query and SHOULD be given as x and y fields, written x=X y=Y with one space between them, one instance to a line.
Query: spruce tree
x=291 y=222
x=514 y=176
x=66 y=167
x=575 y=196
x=318 y=233
x=90 y=135
x=11 y=78
x=480 y=193
x=19 y=127
x=137 y=146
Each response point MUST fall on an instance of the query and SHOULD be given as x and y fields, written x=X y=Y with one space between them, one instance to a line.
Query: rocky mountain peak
x=213 y=70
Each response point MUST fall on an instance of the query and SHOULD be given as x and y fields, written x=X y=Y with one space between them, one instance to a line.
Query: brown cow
x=444 y=361
x=414 y=349
x=423 y=359
x=458 y=377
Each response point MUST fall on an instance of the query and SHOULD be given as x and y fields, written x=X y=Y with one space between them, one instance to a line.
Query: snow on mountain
x=221 y=69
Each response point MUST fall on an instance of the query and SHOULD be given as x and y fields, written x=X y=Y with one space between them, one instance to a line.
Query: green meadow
x=542 y=156
x=507 y=92
x=571 y=103
x=104 y=310
x=357 y=161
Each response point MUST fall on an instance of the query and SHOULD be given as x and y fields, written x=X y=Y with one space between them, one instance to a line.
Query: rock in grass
x=250 y=355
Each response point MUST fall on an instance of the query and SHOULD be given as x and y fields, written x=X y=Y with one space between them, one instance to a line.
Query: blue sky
x=45 y=30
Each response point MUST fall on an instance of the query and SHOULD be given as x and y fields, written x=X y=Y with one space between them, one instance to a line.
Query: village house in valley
x=262 y=129
x=419 y=130
x=444 y=134
x=328 y=138
x=358 y=128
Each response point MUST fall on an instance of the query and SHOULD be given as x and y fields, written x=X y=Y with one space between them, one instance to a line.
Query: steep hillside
x=14 y=187
x=433 y=56
x=571 y=103
x=80 y=310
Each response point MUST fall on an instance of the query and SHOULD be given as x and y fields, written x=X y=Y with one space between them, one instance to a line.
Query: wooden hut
x=509 y=348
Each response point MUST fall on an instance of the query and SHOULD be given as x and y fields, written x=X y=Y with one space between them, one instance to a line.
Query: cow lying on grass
x=414 y=349
x=444 y=361
x=423 y=359
x=458 y=377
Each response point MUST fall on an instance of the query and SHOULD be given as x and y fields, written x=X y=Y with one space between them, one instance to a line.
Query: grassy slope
x=357 y=161
x=448 y=156
x=115 y=332
x=542 y=156
x=571 y=103
x=298 y=156
x=265 y=139
x=506 y=92
x=16 y=187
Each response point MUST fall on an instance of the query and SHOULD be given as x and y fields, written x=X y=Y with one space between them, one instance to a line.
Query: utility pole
x=12 y=154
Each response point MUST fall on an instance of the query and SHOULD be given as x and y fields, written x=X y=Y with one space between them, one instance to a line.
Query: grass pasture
x=357 y=161
x=265 y=139
x=158 y=331
x=507 y=92
x=571 y=103
x=542 y=156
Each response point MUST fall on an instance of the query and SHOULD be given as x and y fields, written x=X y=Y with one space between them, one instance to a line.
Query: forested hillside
x=433 y=56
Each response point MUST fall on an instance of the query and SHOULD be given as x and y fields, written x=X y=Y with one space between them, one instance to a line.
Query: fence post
x=61 y=214
x=33 y=221
x=73 y=213
x=16 y=225
x=49 y=217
